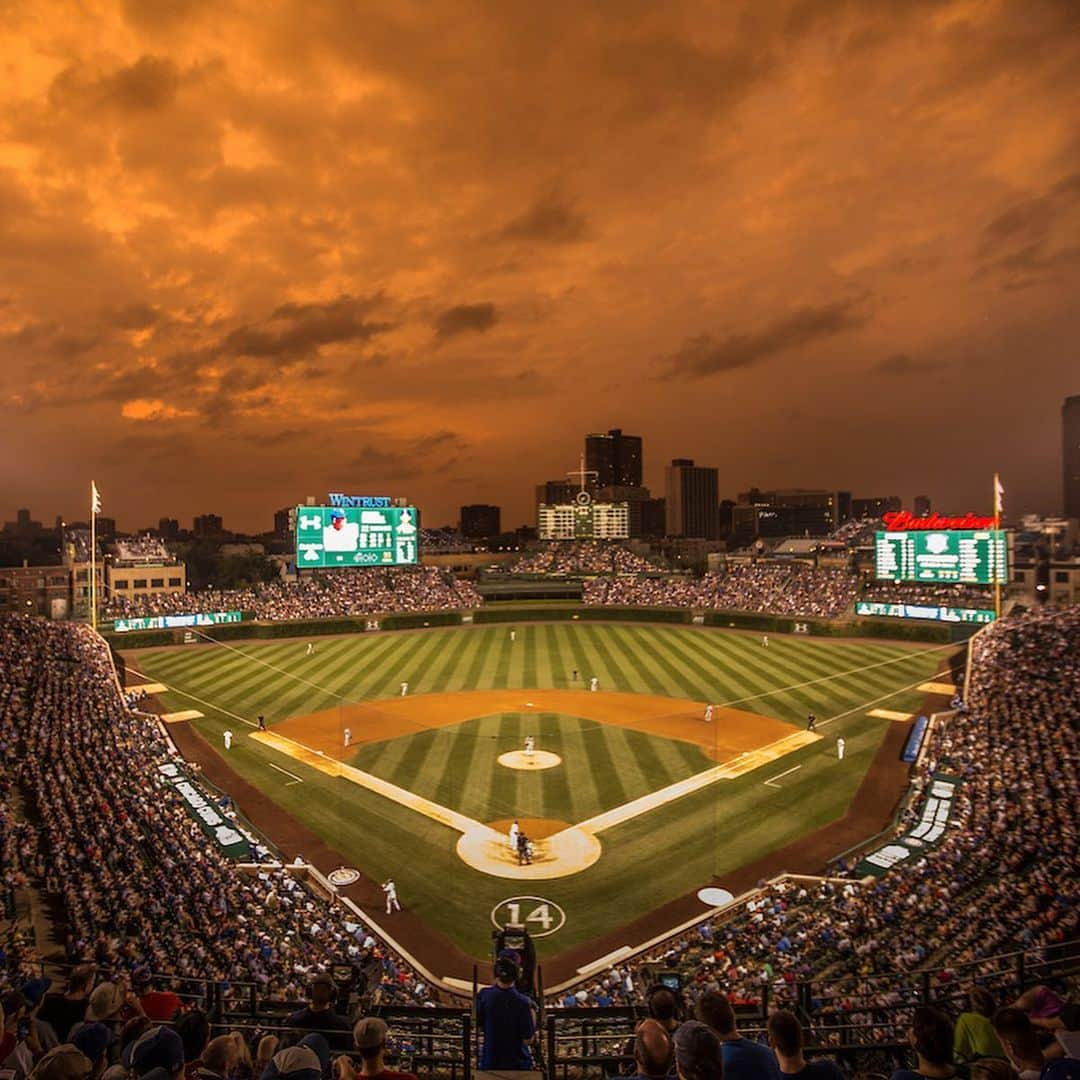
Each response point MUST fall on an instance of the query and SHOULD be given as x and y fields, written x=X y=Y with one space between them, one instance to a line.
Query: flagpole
x=93 y=555
x=997 y=561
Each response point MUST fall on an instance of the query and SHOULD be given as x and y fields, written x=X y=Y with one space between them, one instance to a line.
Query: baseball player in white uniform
x=513 y=635
x=530 y=746
x=404 y=688
x=840 y=747
x=310 y=649
x=515 y=832
x=765 y=640
x=594 y=684
x=708 y=714
x=228 y=739
x=348 y=737
x=391 y=895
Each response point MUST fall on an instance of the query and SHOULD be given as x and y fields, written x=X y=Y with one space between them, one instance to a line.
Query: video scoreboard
x=357 y=536
x=949 y=556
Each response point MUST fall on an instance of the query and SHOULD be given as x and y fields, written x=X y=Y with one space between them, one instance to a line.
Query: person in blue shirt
x=505 y=1015
x=786 y=1039
x=743 y=1059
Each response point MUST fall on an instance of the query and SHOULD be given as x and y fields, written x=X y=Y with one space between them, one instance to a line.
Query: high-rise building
x=168 y=528
x=634 y=497
x=875 y=506
x=283 y=522
x=921 y=505
x=692 y=500
x=615 y=458
x=1070 y=446
x=207 y=526
x=106 y=527
x=479 y=521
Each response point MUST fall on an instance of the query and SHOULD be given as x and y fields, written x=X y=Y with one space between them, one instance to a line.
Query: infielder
x=840 y=744
x=404 y=688
x=708 y=714
x=530 y=746
x=515 y=832
x=262 y=722
x=228 y=739
x=391 y=895
x=348 y=738
x=594 y=684
x=811 y=722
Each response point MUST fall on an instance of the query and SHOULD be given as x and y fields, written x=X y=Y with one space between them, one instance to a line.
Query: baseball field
x=630 y=797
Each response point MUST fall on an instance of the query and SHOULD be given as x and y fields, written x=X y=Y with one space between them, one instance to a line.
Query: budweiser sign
x=905 y=521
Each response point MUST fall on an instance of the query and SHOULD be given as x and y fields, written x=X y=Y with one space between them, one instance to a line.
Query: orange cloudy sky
x=251 y=251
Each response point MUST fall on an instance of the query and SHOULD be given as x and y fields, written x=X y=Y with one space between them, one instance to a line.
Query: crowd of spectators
x=578 y=558
x=774 y=588
x=1003 y=878
x=327 y=594
x=142 y=888
x=142 y=549
x=915 y=592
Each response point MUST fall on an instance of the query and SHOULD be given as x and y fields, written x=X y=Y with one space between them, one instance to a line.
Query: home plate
x=715 y=897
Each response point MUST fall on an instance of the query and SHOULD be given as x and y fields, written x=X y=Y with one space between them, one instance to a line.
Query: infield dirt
x=731 y=731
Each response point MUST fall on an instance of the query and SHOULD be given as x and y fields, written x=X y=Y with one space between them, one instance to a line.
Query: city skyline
x=253 y=254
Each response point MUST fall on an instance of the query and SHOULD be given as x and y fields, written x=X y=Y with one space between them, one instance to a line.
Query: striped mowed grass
x=714 y=831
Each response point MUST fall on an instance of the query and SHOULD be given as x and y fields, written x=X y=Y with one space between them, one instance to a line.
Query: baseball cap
x=696 y=1044
x=369 y=1032
x=106 y=998
x=35 y=990
x=297 y=1062
x=156 y=1048
x=336 y=514
x=63 y=1062
x=316 y=1042
x=93 y=1039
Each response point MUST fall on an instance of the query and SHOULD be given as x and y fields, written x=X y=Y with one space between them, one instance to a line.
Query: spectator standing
x=319 y=1015
x=63 y=1011
x=506 y=1017
x=786 y=1039
x=743 y=1059
x=369 y=1037
x=698 y=1053
x=652 y=1051
x=974 y=1036
x=931 y=1037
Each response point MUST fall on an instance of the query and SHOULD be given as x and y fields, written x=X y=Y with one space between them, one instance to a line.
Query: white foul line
x=780 y=776
x=209 y=705
x=286 y=772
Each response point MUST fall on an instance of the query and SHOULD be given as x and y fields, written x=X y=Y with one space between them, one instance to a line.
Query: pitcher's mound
x=534 y=762
x=566 y=852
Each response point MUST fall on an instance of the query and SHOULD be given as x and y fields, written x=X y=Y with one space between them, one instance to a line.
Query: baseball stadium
x=745 y=783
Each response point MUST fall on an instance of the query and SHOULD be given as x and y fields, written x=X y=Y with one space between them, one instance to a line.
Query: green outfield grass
x=699 y=837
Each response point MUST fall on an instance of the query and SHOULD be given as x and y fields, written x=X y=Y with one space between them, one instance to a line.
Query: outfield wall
x=891 y=629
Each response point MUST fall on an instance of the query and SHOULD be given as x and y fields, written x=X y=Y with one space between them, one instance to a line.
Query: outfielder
x=391 y=895
x=310 y=649
x=513 y=635
x=765 y=641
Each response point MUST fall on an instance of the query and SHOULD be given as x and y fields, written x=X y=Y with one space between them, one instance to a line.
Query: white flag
x=998 y=492
x=95 y=498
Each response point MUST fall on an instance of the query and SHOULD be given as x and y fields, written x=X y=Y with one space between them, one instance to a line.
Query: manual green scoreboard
x=356 y=536
x=949 y=556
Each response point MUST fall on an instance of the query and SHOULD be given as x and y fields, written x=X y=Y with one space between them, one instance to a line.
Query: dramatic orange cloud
x=251 y=252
